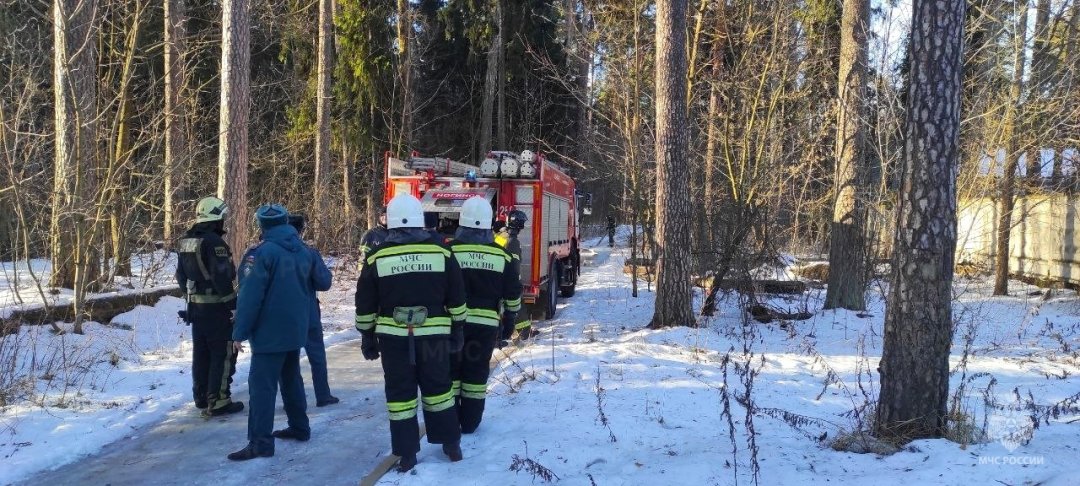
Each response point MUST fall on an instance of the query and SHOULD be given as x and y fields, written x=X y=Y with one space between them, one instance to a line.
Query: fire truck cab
x=550 y=256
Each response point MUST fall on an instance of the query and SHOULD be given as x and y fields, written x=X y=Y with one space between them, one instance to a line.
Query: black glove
x=507 y=326
x=368 y=345
x=457 y=337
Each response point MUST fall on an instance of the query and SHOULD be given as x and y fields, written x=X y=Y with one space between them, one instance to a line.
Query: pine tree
x=847 y=237
x=918 y=318
x=674 y=306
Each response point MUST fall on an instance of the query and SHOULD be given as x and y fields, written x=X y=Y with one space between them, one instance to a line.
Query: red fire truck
x=550 y=258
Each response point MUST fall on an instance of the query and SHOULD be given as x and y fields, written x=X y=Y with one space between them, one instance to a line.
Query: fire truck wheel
x=551 y=300
x=567 y=290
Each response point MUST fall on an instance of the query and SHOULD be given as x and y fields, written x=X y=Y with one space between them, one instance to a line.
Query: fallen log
x=765 y=314
x=765 y=286
x=100 y=308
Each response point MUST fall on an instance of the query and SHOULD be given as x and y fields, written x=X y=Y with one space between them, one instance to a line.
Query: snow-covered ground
x=75 y=393
x=25 y=284
x=596 y=399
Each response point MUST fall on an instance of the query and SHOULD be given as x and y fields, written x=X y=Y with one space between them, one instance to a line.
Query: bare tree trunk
x=176 y=149
x=491 y=85
x=404 y=39
x=674 y=303
x=712 y=131
x=501 y=119
x=233 y=131
x=75 y=91
x=847 y=241
x=118 y=176
x=347 y=207
x=376 y=174
x=1012 y=153
x=918 y=317
x=581 y=66
x=74 y=254
x=322 y=118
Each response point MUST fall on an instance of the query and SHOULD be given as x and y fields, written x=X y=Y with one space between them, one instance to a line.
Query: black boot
x=453 y=451
x=406 y=463
x=329 y=401
x=291 y=433
x=231 y=408
x=249 y=452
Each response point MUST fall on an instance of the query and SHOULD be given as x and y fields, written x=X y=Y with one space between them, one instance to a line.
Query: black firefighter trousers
x=471 y=368
x=213 y=362
x=428 y=368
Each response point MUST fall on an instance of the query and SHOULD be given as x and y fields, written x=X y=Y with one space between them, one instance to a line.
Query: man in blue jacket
x=273 y=311
x=315 y=348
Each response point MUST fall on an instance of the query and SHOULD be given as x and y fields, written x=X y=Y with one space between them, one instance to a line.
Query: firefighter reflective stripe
x=433 y=326
x=512 y=305
x=502 y=239
x=440 y=402
x=457 y=313
x=191 y=245
x=210 y=299
x=401 y=410
x=485 y=317
x=365 y=322
x=485 y=249
x=522 y=324
x=406 y=249
x=474 y=260
x=476 y=391
x=455 y=387
x=410 y=263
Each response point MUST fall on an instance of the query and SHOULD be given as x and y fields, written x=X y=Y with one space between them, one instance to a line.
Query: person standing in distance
x=490 y=278
x=410 y=307
x=273 y=311
x=206 y=274
x=315 y=349
x=508 y=239
x=372 y=238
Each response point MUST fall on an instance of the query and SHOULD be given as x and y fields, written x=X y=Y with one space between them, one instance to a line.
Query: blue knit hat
x=270 y=215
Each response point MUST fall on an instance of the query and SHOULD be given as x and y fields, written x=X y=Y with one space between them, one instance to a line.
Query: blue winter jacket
x=323 y=279
x=277 y=293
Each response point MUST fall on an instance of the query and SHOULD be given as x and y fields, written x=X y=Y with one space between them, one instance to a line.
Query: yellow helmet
x=210 y=209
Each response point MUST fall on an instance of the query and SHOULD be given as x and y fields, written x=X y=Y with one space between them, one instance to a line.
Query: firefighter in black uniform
x=490 y=278
x=515 y=222
x=206 y=274
x=372 y=238
x=410 y=307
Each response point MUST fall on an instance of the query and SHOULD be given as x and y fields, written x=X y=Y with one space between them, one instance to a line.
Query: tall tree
x=232 y=184
x=847 y=238
x=674 y=303
x=75 y=169
x=492 y=84
x=405 y=74
x=322 y=116
x=1012 y=135
x=176 y=149
x=918 y=318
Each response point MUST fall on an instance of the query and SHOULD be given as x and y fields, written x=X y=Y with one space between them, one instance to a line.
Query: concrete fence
x=1043 y=241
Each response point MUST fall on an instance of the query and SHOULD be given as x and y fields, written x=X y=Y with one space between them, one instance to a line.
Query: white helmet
x=476 y=213
x=404 y=211
x=528 y=156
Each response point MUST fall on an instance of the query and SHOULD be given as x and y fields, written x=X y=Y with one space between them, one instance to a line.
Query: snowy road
x=348 y=440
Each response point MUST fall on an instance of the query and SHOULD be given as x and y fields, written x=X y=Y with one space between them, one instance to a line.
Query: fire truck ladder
x=437 y=165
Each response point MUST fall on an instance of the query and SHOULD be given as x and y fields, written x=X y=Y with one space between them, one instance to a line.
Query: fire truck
x=550 y=257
